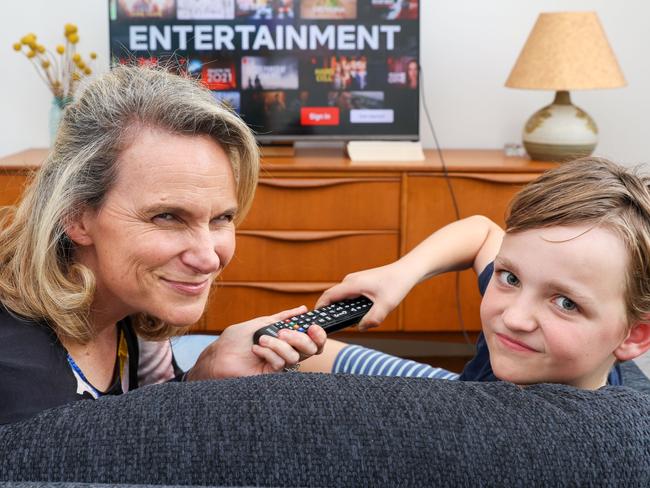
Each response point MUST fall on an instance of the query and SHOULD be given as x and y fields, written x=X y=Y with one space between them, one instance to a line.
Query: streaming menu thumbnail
x=260 y=73
x=147 y=9
x=403 y=72
x=393 y=9
x=230 y=99
x=328 y=9
x=341 y=72
x=265 y=9
x=205 y=9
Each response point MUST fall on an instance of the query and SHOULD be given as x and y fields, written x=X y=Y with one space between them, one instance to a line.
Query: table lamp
x=565 y=51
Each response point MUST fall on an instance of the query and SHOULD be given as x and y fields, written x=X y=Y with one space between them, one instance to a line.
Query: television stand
x=284 y=150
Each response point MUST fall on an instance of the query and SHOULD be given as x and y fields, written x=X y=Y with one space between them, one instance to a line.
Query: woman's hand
x=386 y=286
x=234 y=354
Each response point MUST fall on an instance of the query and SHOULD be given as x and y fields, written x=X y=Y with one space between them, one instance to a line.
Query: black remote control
x=332 y=317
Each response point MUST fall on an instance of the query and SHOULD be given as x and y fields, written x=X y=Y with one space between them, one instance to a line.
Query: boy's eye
x=565 y=304
x=508 y=278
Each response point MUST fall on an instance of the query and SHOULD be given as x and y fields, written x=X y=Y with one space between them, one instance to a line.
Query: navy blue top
x=479 y=367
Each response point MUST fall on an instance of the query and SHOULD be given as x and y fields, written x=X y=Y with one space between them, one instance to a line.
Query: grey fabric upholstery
x=335 y=430
x=634 y=378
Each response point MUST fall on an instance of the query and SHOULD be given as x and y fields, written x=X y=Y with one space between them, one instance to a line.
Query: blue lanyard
x=77 y=370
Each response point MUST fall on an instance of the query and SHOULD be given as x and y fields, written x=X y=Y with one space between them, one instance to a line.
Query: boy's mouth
x=514 y=344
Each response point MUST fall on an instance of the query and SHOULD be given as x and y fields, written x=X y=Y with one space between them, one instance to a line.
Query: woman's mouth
x=513 y=344
x=191 y=288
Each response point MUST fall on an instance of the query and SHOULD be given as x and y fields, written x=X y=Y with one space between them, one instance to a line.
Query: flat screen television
x=293 y=69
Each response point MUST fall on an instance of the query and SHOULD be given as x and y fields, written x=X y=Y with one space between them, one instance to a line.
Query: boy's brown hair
x=602 y=193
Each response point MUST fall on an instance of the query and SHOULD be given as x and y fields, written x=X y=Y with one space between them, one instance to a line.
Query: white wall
x=468 y=49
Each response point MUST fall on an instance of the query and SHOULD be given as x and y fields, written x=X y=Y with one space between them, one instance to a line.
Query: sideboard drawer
x=232 y=303
x=309 y=255
x=11 y=188
x=325 y=203
x=432 y=305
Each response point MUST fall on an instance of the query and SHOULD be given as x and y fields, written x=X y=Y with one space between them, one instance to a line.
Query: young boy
x=566 y=289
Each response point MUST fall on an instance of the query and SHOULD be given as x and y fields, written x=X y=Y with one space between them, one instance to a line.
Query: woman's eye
x=164 y=217
x=508 y=278
x=225 y=218
x=565 y=304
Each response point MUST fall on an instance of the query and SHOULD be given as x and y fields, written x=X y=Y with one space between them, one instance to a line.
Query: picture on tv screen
x=293 y=69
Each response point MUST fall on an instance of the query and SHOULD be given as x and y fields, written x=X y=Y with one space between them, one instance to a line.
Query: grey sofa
x=338 y=430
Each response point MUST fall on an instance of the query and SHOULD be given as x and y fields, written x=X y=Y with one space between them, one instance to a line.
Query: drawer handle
x=299 y=183
x=489 y=177
x=499 y=177
x=315 y=287
x=306 y=235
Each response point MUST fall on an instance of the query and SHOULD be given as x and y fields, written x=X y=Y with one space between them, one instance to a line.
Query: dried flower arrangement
x=61 y=72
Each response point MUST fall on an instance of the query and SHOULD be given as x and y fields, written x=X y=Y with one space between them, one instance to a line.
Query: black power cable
x=445 y=172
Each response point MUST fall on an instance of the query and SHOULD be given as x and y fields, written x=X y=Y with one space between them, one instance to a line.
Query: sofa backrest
x=339 y=430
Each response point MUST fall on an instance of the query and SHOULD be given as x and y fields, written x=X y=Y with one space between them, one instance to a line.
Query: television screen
x=293 y=69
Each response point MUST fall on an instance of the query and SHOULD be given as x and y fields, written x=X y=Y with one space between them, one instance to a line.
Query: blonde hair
x=599 y=192
x=38 y=278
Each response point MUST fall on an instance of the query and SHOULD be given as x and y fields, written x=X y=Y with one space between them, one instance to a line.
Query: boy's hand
x=386 y=286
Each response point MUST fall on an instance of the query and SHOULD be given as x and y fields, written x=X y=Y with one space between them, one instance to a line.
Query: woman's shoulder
x=25 y=340
x=12 y=323
x=33 y=367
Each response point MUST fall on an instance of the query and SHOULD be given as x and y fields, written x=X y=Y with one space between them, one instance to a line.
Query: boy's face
x=554 y=310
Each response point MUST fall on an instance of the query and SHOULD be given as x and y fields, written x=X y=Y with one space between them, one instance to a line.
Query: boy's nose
x=519 y=316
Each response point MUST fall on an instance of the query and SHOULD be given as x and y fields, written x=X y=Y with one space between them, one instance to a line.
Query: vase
x=56 y=112
x=560 y=131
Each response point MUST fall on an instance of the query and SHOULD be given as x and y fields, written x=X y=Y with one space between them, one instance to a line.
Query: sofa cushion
x=339 y=430
x=634 y=377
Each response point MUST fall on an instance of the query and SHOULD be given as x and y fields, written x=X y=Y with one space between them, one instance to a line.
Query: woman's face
x=412 y=72
x=164 y=231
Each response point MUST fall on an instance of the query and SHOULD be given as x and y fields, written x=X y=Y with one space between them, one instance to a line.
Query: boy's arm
x=470 y=242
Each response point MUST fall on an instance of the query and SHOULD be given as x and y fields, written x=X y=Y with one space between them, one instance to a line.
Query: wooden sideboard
x=318 y=216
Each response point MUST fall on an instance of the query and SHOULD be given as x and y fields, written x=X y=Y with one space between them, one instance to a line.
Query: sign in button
x=319 y=116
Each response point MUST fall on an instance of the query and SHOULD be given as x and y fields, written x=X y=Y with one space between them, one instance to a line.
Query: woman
x=117 y=242
x=412 y=74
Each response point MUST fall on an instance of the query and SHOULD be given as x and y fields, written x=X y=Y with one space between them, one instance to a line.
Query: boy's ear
x=77 y=228
x=636 y=343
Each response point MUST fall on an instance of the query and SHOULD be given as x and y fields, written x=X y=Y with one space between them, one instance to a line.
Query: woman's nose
x=519 y=315
x=202 y=253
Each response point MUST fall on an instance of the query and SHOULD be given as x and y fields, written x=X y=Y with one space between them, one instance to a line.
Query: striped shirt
x=355 y=359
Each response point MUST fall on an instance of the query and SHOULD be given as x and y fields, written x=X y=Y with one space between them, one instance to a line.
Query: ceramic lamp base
x=560 y=131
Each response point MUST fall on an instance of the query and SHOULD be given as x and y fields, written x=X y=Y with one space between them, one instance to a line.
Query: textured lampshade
x=566 y=51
